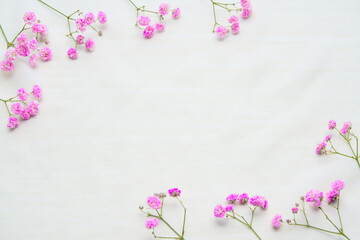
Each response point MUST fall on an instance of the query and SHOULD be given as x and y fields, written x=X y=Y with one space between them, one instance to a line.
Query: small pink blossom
x=33 y=108
x=13 y=122
x=337 y=185
x=102 y=17
x=33 y=44
x=16 y=108
x=11 y=54
x=23 y=94
x=232 y=197
x=81 y=24
x=314 y=197
x=90 y=44
x=327 y=138
x=89 y=18
x=229 y=208
x=72 y=53
x=258 y=201
x=164 y=9
x=320 y=149
x=39 y=28
x=295 y=210
x=22 y=50
x=151 y=223
x=25 y=114
x=144 y=20
x=346 y=128
x=243 y=198
x=29 y=18
x=148 y=31
x=80 y=39
x=7 y=65
x=219 y=211
x=332 y=124
x=45 y=54
x=159 y=27
x=37 y=91
x=235 y=27
x=174 y=192
x=176 y=13
x=276 y=221
x=221 y=31
x=246 y=12
x=331 y=196
x=154 y=202
x=233 y=19
x=33 y=60
x=22 y=39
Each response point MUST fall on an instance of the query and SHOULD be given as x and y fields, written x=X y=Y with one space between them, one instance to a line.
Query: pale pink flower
x=295 y=210
x=33 y=44
x=33 y=60
x=337 y=185
x=144 y=20
x=80 y=39
x=314 y=197
x=22 y=39
x=231 y=198
x=332 y=124
x=233 y=19
x=331 y=196
x=81 y=24
x=37 y=91
x=39 y=28
x=29 y=18
x=154 y=202
x=7 y=65
x=235 y=27
x=16 y=108
x=22 y=50
x=102 y=17
x=164 y=9
x=320 y=148
x=148 y=31
x=159 y=27
x=258 y=201
x=229 y=208
x=13 y=122
x=243 y=198
x=23 y=94
x=33 y=108
x=72 y=53
x=11 y=54
x=174 y=192
x=327 y=138
x=45 y=54
x=151 y=223
x=90 y=44
x=219 y=211
x=246 y=12
x=276 y=221
x=89 y=18
x=25 y=114
x=221 y=31
x=346 y=128
x=176 y=13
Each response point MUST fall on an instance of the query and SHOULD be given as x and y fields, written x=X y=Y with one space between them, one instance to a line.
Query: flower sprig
x=347 y=135
x=20 y=107
x=82 y=22
x=20 y=45
x=316 y=199
x=155 y=213
x=144 y=22
x=243 y=7
x=233 y=199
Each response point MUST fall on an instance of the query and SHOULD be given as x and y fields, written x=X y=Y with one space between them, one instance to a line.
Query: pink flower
x=33 y=60
x=80 y=39
x=276 y=221
x=233 y=19
x=11 y=54
x=90 y=44
x=22 y=50
x=148 y=31
x=294 y=209
x=229 y=208
x=246 y=12
x=258 y=201
x=23 y=94
x=232 y=197
x=33 y=44
x=29 y=18
x=89 y=18
x=337 y=185
x=154 y=202
x=327 y=138
x=331 y=196
x=151 y=223
x=235 y=27
x=22 y=39
x=45 y=54
x=159 y=27
x=144 y=21
x=39 y=28
x=102 y=17
x=314 y=197
x=72 y=53
x=164 y=9
x=176 y=13
x=81 y=24
x=320 y=149
x=332 y=124
x=33 y=108
x=221 y=31
x=346 y=128
x=13 y=122
x=174 y=192
x=16 y=108
x=245 y=3
x=243 y=198
x=25 y=114
x=37 y=91
x=7 y=65
x=219 y=211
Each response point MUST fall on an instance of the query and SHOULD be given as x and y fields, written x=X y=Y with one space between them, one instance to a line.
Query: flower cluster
x=316 y=198
x=347 y=135
x=83 y=21
x=21 y=106
x=221 y=211
x=24 y=46
x=145 y=23
x=243 y=7
x=154 y=213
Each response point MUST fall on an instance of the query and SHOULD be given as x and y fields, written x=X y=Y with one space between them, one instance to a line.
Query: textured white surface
x=182 y=109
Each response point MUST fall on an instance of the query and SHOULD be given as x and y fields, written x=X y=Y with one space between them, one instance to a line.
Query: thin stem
x=133 y=4
x=53 y=8
x=7 y=108
x=338 y=211
x=183 y=228
x=309 y=226
x=162 y=219
x=3 y=33
x=330 y=220
x=245 y=223
x=343 y=155
x=252 y=216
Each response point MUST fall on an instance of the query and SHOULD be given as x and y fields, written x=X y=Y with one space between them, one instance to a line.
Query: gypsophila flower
x=231 y=198
x=33 y=44
x=176 y=13
x=13 y=122
x=25 y=114
x=345 y=129
x=314 y=197
x=331 y=196
x=102 y=17
x=320 y=149
x=22 y=50
x=33 y=60
x=80 y=39
x=89 y=18
x=154 y=202
x=144 y=21
x=159 y=27
x=295 y=210
x=219 y=211
x=332 y=124
x=11 y=54
x=174 y=192
x=72 y=53
x=23 y=94
x=276 y=221
x=45 y=54
x=7 y=65
x=81 y=24
x=243 y=198
x=221 y=31
x=37 y=91
x=258 y=201
x=16 y=108
x=29 y=18
x=163 y=9
x=148 y=31
x=229 y=208
x=90 y=44
x=151 y=223
x=327 y=138
x=233 y=19
x=337 y=185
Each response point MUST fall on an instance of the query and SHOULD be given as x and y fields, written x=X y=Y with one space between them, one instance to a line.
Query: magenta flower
x=23 y=94
x=89 y=18
x=45 y=54
x=72 y=53
x=233 y=19
x=331 y=196
x=33 y=44
x=276 y=221
x=11 y=54
x=151 y=223
x=295 y=210
x=235 y=27
x=231 y=198
x=16 y=108
x=229 y=208
x=148 y=31
x=219 y=211
x=163 y=9
x=337 y=185
x=80 y=39
x=7 y=65
x=174 y=192
x=13 y=122
x=81 y=24
x=243 y=198
x=37 y=91
x=221 y=31
x=176 y=13
x=29 y=18
x=144 y=20
x=327 y=138
x=90 y=44
x=22 y=50
x=332 y=124
x=320 y=149
x=159 y=27
x=25 y=114
x=102 y=17
x=258 y=201
x=314 y=197
x=154 y=202
x=33 y=60
x=33 y=108
x=346 y=128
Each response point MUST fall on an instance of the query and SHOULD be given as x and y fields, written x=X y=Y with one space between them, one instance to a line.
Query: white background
x=182 y=109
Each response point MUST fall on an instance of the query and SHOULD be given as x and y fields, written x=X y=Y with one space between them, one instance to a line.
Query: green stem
x=330 y=220
x=133 y=4
x=3 y=33
x=338 y=211
x=343 y=155
x=163 y=220
x=53 y=8
x=246 y=224
x=309 y=226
